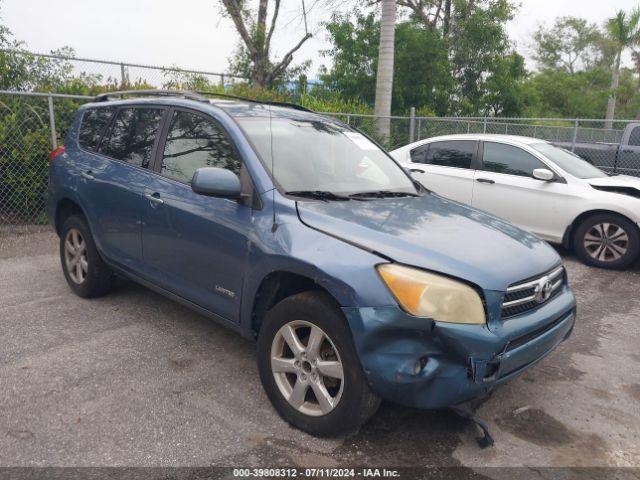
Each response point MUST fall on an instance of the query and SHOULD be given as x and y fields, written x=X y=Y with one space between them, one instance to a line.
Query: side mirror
x=543 y=174
x=216 y=182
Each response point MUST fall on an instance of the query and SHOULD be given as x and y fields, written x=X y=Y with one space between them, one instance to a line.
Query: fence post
x=52 y=123
x=575 y=136
x=412 y=123
x=419 y=128
x=222 y=80
x=484 y=125
x=123 y=76
x=348 y=119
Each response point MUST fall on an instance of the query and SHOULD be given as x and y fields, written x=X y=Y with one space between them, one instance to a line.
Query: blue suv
x=299 y=231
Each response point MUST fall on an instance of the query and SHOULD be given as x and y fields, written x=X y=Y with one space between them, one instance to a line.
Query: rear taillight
x=56 y=153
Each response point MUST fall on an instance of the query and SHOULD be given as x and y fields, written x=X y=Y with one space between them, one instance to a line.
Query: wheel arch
x=276 y=286
x=65 y=208
x=568 y=237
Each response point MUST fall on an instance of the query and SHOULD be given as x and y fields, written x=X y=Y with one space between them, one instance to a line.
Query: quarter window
x=419 y=154
x=94 y=123
x=454 y=153
x=501 y=158
x=132 y=136
x=194 y=141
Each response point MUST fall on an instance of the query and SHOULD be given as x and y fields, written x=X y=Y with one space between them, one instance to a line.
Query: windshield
x=569 y=162
x=314 y=155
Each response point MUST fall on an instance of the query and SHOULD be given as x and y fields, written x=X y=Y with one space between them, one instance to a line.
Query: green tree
x=571 y=44
x=421 y=70
x=623 y=31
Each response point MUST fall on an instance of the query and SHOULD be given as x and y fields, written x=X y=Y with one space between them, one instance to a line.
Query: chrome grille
x=525 y=296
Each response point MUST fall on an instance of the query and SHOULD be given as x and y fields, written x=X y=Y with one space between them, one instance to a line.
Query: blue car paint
x=192 y=243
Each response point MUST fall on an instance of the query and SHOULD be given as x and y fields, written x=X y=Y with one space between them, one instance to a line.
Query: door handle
x=416 y=170
x=154 y=198
x=485 y=180
x=87 y=175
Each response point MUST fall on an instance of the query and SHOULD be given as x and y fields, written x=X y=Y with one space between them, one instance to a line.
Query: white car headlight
x=440 y=298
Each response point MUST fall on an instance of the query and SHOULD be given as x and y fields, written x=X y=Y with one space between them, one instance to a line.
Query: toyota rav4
x=301 y=232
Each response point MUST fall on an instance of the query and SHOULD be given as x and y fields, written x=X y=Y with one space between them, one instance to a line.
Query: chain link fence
x=125 y=75
x=32 y=124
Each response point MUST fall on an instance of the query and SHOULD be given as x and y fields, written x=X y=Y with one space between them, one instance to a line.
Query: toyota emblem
x=543 y=290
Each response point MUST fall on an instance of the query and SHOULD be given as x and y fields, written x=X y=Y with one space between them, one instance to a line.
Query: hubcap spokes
x=75 y=256
x=606 y=242
x=307 y=368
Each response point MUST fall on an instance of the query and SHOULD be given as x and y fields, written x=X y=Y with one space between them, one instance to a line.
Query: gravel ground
x=134 y=379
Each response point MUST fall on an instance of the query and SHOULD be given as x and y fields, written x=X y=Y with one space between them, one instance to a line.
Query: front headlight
x=425 y=294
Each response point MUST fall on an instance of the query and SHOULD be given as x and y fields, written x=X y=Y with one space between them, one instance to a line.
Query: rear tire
x=607 y=241
x=292 y=376
x=85 y=271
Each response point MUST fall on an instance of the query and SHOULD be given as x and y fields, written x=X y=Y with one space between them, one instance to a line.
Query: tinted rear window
x=454 y=153
x=132 y=136
x=94 y=123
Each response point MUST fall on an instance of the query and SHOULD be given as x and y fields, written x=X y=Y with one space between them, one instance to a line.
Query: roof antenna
x=274 y=225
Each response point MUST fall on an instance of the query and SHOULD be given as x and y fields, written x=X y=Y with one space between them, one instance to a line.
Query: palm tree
x=384 y=79
x=624 y=32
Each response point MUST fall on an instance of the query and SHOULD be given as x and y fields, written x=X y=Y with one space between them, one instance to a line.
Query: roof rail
x=263 y=102
x=104 y=97
x=198 y=96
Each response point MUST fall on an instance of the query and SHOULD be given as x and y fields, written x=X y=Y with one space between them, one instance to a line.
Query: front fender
x=345 y=271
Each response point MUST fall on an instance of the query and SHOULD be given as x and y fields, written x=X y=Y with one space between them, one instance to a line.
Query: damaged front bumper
x=426 y=364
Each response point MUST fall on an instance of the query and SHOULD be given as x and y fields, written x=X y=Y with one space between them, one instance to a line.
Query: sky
x=194 y=34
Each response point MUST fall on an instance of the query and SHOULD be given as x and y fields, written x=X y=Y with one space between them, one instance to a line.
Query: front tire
x=85 y=271
x=309 y=367
x=607 y=241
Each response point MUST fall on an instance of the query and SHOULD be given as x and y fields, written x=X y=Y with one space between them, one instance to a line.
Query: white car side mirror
x=543 y=174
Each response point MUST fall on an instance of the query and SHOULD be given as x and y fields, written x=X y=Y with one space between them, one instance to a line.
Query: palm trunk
x=384 y=79
x=611 y=105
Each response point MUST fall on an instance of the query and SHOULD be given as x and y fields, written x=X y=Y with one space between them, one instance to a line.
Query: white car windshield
x=316 y=155
x=568 y=161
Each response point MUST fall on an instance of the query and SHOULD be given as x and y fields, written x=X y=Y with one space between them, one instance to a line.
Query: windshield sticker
x=361 y=141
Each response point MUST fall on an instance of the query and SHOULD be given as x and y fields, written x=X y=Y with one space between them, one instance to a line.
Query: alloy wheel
x=75 y=256
x=606 y=242
x=307 y=368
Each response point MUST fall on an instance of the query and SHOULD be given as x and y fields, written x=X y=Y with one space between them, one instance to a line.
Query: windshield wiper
x=382 y=194
x=317 y=195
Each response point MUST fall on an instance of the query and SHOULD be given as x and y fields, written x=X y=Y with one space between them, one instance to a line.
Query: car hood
x=436 y=234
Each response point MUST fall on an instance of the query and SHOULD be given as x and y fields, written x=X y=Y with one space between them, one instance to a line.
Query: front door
x=506 y=188
x=446 y=167
x=196 y=246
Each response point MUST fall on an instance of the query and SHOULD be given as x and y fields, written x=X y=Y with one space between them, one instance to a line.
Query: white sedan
x=544 y=189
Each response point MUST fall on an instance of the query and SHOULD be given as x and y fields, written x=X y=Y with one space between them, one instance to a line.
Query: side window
x=501 y=158
x=453 y=153
x=195 y=141
x=634 y=137
x=132 y=136
x=419 y=154
x=93 y=125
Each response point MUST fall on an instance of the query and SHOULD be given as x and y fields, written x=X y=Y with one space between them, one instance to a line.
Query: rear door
x=505 y=187
x=446 y=167
x=194 y=245
x=112 y=182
